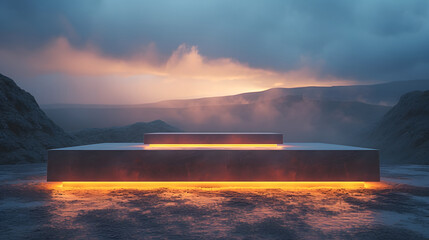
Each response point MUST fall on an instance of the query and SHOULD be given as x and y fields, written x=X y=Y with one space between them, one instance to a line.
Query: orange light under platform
x=213 y=146
x=218 y=185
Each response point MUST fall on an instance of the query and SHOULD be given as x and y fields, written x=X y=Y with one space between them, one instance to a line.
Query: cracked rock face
x=403 y=133
x=25 y=131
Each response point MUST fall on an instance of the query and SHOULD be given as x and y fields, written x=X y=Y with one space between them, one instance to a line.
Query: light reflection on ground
x=31 y=208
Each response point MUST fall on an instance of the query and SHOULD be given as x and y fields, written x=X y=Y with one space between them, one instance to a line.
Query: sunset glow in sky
x=131 y=52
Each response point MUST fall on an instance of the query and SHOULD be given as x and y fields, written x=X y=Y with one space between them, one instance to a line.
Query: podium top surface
x=146 y=147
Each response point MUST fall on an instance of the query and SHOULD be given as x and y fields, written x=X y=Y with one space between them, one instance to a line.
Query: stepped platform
x=213 y=157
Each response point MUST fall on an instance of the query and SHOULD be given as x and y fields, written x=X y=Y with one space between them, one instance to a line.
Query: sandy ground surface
x=32 y=209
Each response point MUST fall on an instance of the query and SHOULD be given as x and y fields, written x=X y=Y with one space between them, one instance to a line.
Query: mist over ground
x=299 y=119
x=343 y=115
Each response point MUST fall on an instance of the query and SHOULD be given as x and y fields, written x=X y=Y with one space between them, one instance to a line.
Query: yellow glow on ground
x=219 y=185
x=164 y=146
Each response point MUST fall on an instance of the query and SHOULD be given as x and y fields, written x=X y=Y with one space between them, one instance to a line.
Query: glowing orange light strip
x=216 y=185
x=213 y=146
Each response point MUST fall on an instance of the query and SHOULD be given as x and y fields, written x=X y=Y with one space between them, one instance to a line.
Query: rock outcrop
x=403 y=133
x=130 y=133
x=25 y=131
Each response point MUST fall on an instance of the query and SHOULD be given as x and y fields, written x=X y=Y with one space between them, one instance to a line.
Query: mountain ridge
x=25 y=130
x=299 y=118
x=379 y=94
x=402 y=135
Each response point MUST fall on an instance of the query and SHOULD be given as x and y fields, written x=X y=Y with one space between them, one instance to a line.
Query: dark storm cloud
x=32 y=24
x=361 y=40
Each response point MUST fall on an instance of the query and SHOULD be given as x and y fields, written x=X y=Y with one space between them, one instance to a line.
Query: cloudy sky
x=126 y=52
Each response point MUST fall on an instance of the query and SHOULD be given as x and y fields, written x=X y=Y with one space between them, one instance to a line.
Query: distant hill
x=130 y=133
x=25 y=131
x=402 y=135
x=386 y=94
x=337 y=114
x=300 y=119
x=379 y=94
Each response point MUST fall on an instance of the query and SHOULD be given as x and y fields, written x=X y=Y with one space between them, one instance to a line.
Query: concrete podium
x=215 y=157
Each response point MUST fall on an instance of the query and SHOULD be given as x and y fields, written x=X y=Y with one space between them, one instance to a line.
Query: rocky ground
x=32 y=209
